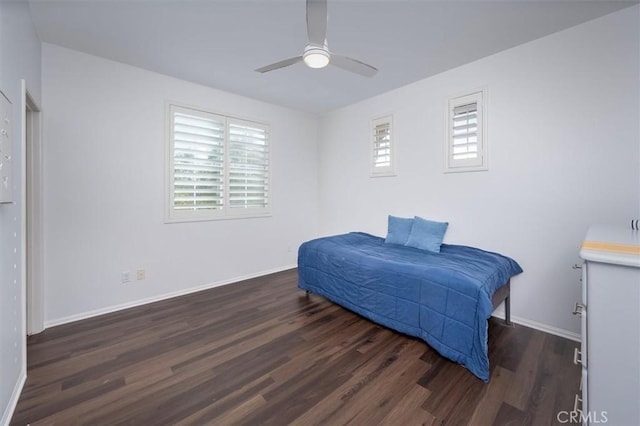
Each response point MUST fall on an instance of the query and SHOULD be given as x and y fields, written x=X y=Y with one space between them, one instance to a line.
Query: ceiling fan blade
x=317 y=21
x=280 y=64
x=353 y=65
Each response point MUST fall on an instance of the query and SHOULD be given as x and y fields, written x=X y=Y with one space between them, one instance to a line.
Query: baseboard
x=77 y=317
x=110 y=309
x=540 y=326
x=13 y=401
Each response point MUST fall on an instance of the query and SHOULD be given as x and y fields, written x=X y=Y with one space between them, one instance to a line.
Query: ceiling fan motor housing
x=316 y=56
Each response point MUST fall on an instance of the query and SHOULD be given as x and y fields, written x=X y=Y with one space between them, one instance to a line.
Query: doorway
x=32 y=215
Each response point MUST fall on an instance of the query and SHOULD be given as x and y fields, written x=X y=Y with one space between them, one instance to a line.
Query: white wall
x=564 y=146
x=104 y=173
x=564 y=152
x=19 y=59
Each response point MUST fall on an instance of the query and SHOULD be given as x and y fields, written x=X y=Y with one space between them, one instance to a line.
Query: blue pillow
x=427 y=234
x=398 y=230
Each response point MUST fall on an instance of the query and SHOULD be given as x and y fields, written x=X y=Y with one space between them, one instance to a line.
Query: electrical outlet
x=125 y=277
x=140 y=274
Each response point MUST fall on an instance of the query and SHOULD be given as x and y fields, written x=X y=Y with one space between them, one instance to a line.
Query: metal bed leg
x=507 y=310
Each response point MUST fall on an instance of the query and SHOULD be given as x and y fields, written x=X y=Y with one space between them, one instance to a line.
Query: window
x=466 y=144
x=382 y=150
x=218 y=166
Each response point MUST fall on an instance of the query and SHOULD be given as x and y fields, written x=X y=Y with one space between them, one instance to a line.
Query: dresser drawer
x=580 y=309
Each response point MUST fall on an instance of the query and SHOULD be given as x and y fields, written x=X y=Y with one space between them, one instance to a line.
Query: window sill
x=170 y=220
x=466 y=169
x=386 y=174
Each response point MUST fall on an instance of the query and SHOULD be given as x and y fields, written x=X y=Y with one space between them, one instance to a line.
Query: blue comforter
x=443 y=298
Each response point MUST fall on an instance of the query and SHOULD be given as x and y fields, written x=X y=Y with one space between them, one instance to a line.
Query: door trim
x=32 y=261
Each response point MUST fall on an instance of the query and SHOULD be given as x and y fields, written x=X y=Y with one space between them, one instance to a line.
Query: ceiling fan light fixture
x=316 y=53
x=316 y=57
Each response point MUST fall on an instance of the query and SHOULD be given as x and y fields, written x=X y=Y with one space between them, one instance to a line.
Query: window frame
x=391 y=169
x=479 y=96
x=226 y=212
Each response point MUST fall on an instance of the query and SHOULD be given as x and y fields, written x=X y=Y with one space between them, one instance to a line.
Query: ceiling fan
x=316 y=54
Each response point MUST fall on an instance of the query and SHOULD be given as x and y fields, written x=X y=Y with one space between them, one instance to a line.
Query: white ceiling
x=219 y=43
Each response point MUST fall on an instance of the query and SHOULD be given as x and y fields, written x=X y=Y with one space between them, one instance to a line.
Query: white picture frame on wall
x=6 y=151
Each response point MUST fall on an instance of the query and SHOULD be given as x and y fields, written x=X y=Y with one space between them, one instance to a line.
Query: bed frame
x=503 y=294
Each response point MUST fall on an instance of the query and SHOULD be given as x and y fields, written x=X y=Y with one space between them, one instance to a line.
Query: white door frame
x=32 y=252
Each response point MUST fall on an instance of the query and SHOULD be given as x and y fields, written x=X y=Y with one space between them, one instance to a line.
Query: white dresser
x=610 y=310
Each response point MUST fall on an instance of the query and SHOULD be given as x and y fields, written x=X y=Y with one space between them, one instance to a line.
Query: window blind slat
x=184 y=141
x=466 y=114
x=464 y=127
x=197 y=186
x=247 y=180
x=197 y=169
x=472 y=137
x=466 y=108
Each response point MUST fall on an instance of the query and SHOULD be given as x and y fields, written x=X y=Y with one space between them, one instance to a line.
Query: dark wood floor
x=261 y=352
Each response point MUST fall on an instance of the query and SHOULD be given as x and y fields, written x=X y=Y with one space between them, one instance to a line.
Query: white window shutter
x=465 y=132
x=218 y=167
x=198 y=160
x=248 y=165
x=382 y=148
x=466 y=136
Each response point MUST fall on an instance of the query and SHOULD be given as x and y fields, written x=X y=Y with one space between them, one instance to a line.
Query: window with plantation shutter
x=198 y=163
x=382 y=149
x=248 y=166
x=466 y=145
x=218 y=166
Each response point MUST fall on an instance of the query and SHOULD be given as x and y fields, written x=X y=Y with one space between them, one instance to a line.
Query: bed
x=443 y=298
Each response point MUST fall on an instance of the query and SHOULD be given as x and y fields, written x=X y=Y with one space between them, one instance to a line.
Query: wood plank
x=487 y=408
x=367 y=376
x=408 y=411
x=263 y=352
x=522 y=384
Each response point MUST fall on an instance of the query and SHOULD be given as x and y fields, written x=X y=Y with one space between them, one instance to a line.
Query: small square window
x=466 y=143
x=382 y=147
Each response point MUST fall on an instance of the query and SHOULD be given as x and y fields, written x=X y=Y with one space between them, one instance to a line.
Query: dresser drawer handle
x=576 y=266
x=577 y=356
x=577 y=401
x=578 y=309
